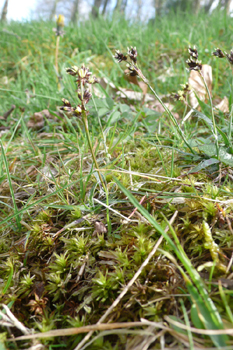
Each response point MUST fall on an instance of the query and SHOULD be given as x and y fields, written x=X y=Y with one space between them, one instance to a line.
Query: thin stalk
x=56 y=58
x=212 y=115
x=230 y=125
x=85 y=122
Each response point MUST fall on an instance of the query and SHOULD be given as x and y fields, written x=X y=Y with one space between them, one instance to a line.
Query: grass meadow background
x=75 y=255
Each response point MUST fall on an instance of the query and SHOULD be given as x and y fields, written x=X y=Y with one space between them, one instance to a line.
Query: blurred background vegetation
x=75 y=10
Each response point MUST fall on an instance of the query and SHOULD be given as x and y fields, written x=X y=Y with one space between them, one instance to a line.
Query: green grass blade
x=11 y=187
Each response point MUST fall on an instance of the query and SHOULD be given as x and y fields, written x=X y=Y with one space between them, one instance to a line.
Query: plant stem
x=85 y=122
x=56 y=58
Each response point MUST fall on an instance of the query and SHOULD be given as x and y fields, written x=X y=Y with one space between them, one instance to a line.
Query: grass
x=142 y=260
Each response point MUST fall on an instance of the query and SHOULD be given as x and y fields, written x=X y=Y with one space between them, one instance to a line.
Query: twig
x=94 y=327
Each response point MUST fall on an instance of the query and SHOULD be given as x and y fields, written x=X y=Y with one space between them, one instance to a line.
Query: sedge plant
x=84 y=80
x=134 y=70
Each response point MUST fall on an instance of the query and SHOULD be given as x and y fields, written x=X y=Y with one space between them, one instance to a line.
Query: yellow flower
x=60 y=21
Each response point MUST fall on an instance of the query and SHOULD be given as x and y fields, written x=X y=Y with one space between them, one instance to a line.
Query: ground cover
x=137 y=246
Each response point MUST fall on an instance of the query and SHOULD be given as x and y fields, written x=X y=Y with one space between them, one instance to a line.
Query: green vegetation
x=126 y=232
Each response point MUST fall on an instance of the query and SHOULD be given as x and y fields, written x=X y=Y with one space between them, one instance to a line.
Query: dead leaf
x=134 y=80
x=25 y=194
x=223 y=106
x=196 y=83
x=134 y=95
x=156 y=106
x=38 y=289
x=36 y=122
x=105 y=83
x=99 y=227
x=49 y=172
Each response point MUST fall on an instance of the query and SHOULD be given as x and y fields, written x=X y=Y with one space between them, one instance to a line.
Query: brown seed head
x=132 y=70
x=181 y=94
x=230 y=57
x=72 y=71
x=193 y=52
x=67 y=109
x=194 y=64
x=78 y=110
x=185 y=87
x=218 y=53
x=93 y=80
x=132 y=52
x=86 y=96
x=66 y=102
x=119 y=56
x=83 y=75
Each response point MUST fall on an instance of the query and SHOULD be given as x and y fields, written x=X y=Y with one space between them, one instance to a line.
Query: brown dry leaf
x=134 y=80
x=39 y=289
x=223 y=106
x=104 y=82
x=36 y=122
x=25 y=194
x=123 y=93
x=99 y=227
x=197 y=85
x=156 y=106
x=134 y=95
x=106 y=85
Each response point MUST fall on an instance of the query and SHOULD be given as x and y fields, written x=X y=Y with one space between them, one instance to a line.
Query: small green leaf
x=204 y=164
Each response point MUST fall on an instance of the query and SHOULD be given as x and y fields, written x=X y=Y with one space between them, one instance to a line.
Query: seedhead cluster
x=193 y=62
x=132 y=63
x=181 y=94
x=219 y=53
x=83 y=79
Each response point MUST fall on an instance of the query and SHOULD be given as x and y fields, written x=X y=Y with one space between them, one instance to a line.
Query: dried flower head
x=194 y=64
x=85 y=97
x=83 y=72
x=72 y=71
x=230 y=57
x=181 y=94
x=72 y=111
x=132 y=52
x=218 y=53
x=67 y=109
x=83 y=79
x=78 y=110
x=93 y=80
x=119 y=56
x=66 y=102
x=83 y=75
x=193 y=52
x=132 y=70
